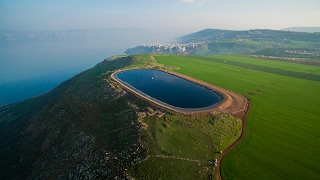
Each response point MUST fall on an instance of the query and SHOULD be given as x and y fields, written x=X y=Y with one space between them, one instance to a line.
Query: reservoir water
x=170 y=89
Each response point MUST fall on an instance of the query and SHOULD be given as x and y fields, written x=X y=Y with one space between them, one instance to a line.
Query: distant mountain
x=210 y=35
x=302 y=29
x=203 y=33
x=216 y=41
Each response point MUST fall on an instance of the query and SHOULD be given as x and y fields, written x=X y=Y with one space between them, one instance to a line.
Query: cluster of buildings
x=171 y=47
x=303 y=52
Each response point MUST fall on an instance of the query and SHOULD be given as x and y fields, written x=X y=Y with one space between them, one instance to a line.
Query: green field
x=283 y=128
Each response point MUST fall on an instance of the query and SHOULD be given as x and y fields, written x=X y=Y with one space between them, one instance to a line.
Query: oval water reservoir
x=169 y=89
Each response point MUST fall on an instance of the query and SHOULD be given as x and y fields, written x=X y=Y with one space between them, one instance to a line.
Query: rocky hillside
x=83 y=129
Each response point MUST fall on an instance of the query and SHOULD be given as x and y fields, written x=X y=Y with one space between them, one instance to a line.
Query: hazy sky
x=191 y=14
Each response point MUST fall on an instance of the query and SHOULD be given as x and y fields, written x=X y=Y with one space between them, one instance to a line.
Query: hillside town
x=161 y=48
x=256 y=41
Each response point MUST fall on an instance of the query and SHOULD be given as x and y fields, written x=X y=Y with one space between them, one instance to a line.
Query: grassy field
x=306 y=69
x=280 y=68
x=283 y=128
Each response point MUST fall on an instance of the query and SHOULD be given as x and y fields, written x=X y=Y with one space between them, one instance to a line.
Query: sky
x=183 y=14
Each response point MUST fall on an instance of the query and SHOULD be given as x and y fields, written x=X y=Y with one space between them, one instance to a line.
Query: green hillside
x=90 y=128
x=81 y=129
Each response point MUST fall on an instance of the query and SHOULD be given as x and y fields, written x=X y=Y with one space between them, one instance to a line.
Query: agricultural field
x=283 y=129
x=236 y=46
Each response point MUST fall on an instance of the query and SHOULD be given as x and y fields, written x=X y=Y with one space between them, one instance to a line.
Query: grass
x=165 y=168
x=273 y=64
x=280 y=68
x=283 y=129
x=184 y=147
x=144 y=61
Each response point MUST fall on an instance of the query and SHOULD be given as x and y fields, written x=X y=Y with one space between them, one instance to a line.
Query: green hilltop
x=90 y=128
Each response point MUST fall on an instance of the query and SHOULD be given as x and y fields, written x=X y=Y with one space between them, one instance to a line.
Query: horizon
x=167 y=28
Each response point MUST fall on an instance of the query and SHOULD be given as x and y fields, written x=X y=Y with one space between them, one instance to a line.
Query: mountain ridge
x=303 y=29
x=215 y=41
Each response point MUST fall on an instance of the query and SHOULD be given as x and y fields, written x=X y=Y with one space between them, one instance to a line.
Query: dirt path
x=184 y=159
x=244 y=123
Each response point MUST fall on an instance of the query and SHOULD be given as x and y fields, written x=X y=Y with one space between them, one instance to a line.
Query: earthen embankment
x=233 y=103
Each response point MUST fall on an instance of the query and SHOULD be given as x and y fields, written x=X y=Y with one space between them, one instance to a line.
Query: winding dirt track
x=244 y=122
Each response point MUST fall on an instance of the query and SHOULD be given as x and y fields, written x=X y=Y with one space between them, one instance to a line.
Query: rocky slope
x=83 y=129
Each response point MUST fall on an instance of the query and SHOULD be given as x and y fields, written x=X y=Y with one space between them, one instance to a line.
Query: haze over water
x=34 y=62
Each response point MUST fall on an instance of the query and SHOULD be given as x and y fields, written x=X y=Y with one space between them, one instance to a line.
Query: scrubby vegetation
x=82 y=129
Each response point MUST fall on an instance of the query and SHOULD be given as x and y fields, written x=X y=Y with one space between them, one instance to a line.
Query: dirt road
x=244 y=122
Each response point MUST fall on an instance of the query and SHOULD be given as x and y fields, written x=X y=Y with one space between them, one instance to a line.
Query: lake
x=34 y=62
x=170 y=89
